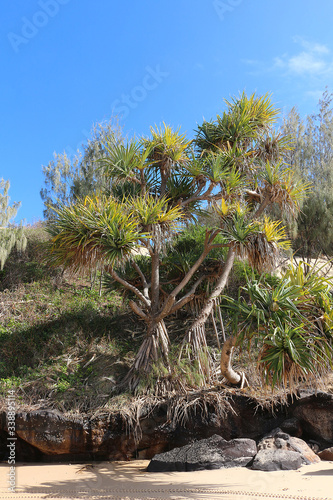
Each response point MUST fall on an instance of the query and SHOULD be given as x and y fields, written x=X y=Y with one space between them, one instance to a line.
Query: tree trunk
x=195 y=342
x=226 y=358
x=153 y=351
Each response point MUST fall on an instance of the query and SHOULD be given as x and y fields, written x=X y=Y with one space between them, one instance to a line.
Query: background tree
x=10 y=235
x=312 y=160
x=70 y=178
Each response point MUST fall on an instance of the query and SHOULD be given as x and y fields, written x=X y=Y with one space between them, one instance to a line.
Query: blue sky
x=67 y=64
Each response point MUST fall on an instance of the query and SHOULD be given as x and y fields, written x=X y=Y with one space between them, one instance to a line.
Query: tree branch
x=143 y=279
x=128 y=286
x=197 y=197
x=262 y=207
x=137 y=310
x=188 y=297
x=210 y=235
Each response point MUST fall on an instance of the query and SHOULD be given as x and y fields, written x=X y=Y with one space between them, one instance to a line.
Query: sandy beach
x=129 y=481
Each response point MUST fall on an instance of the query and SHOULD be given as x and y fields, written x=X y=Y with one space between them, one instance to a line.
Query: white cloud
x=311 y=60
x=314 y=60
x=311 y=46
x=307 y=62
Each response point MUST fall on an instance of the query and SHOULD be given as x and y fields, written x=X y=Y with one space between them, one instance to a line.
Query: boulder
x=272 y=459
x=314 y=413
x=212 y=453
x=326 y=454
x=280 y=451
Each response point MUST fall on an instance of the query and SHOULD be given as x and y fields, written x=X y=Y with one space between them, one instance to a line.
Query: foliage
x=70 y=178
x=10 y=235
x=28 y=265
x=236 y=171
x=312 y=160
x=290 y=318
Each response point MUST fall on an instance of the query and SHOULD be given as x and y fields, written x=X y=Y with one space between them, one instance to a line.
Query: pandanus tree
x=157 y=184
x=290 y=318
x=153 y=193
x=253 y=179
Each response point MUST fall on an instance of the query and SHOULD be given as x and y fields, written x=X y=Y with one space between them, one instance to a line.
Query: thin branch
x=128 y=286
x=188 y=297
x=172 y=297
x=137 y=310
x=262 y=207
x=143 y=279
x=197 y=197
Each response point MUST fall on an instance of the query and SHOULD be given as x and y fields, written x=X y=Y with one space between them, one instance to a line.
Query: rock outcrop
x=45 y=435
x=276 y=451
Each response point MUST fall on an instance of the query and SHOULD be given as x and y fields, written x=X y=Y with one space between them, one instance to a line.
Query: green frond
x=275 y=232
x=273 y=146
x=278 y=182
x=166 y=146
x=260 y=110
x=231 y=211
x=91 y=231
x=149 y=211
x=121 y=161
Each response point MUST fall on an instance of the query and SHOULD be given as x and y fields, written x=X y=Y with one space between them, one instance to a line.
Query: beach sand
x=129 y=480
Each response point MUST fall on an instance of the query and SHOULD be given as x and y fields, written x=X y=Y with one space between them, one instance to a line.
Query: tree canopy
x=312 y=160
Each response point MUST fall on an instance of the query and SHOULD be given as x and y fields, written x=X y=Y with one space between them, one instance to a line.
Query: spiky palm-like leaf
x=90 y=231
x=243 y=122
x=260 y=110
x=149 y=211
x=277 y=181
x=288 y=355
x=273 y=147
x=166 y=147
x=121 y=160
x=275 y=314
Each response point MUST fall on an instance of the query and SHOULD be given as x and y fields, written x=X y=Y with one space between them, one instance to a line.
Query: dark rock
x=212 y=453
x=314 y=413
x=326 y=454
x=292 y=426
x=272 y=459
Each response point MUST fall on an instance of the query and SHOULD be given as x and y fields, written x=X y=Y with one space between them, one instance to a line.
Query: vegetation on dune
x=183 y=236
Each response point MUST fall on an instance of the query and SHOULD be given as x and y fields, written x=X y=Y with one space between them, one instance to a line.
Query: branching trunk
x=195 y=340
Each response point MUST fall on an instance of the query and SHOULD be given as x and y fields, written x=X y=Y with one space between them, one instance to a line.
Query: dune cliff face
x=46 y=435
